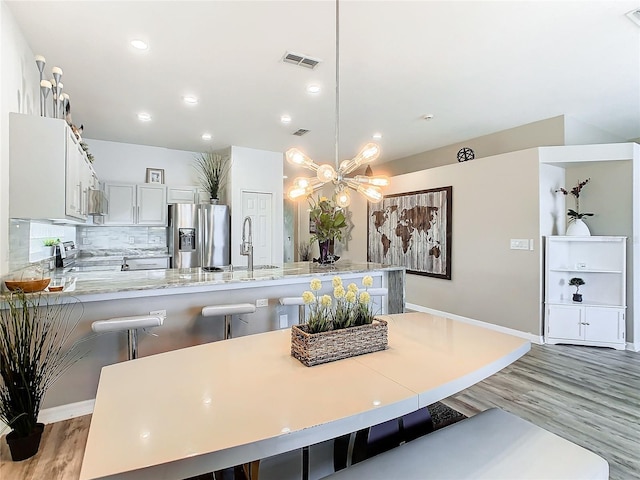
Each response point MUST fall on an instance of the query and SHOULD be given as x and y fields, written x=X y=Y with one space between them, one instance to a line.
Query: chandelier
x=368 y=186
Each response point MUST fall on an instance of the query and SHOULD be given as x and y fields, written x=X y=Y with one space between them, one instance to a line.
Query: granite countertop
x=117 y=284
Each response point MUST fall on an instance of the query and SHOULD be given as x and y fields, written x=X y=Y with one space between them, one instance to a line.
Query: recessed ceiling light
x=190 y=99
x=428 y=116
x=285 y=119
x=206 y=136
x=313 y=89
x=377 y=136
x=144 y=117
x=139 y=44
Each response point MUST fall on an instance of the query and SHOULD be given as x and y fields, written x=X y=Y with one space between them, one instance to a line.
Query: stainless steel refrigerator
x=199 y=235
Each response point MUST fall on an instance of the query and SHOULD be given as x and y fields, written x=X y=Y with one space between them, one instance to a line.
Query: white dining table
x=213 y=406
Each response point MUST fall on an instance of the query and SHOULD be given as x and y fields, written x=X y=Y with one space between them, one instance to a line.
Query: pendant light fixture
x=367 y=186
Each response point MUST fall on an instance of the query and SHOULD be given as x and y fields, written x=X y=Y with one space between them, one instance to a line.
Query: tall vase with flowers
x=328 y=222
x=337 y=327
x=576 y=225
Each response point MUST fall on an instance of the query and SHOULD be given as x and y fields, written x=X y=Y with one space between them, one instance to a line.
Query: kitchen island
x=105 y=285
x=182 y=293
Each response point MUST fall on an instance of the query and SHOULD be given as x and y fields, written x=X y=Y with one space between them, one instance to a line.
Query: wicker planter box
x=314 y=349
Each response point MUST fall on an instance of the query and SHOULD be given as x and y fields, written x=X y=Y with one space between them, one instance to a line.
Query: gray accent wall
x=494 y=200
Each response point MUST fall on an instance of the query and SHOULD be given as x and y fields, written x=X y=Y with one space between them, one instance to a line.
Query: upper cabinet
x=187 y=195
x=49 y=172
x=130 y=204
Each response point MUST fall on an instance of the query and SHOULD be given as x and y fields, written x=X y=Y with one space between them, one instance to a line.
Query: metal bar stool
x=228 y=310
x=295 y=301
x=131 y=325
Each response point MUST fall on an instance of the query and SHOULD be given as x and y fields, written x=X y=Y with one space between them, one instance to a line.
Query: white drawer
x=147 y=263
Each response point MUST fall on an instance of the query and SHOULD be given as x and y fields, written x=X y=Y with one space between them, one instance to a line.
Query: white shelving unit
x=600 y=318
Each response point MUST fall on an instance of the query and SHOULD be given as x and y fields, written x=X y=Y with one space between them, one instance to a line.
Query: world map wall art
x=414 y=230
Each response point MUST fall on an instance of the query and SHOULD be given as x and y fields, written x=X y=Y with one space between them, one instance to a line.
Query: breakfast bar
x=208 y=407
x=181 y=295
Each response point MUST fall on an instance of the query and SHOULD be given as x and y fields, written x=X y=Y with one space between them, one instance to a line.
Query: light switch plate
x=519 y=244
x=262 y=302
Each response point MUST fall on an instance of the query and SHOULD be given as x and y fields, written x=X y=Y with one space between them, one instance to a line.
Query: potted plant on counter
x=327 y=222
x=212 y=168
x=50 y=246
x=34 y=332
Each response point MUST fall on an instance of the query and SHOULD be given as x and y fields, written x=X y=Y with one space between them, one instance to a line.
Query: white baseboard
x=537 y=339
x=65 y=412
x=634 y=347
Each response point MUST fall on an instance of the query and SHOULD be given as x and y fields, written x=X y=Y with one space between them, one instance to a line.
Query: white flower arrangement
x=352 y=306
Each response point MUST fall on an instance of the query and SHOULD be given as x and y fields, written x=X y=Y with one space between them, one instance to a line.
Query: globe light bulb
x=343 y=199
x=326 y=173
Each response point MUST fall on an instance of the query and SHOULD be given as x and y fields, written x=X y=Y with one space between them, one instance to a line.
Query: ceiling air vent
x=634 y=16
x=300 y=132
x=301 y=60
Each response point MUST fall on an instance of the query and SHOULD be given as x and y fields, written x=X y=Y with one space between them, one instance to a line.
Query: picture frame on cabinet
x=155 y=175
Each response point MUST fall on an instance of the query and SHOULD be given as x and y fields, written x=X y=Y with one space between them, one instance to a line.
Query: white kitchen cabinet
x=49 y=173
x=600 y=318
x=189 y=194
x=122 y=204
x=131 y=204
x=152 y=205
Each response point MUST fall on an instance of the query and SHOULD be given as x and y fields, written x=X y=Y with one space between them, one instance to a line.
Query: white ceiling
x=477 y=66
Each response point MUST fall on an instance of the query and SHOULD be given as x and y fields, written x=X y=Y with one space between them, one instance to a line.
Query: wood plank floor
x=588 y=395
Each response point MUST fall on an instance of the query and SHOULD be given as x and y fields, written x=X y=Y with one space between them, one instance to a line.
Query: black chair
x=358 y=446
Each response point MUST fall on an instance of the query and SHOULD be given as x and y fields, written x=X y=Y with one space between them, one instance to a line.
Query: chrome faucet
x=246 y=247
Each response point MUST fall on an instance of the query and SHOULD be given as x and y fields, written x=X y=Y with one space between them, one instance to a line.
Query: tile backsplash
x=121 y=238
x=26 y=240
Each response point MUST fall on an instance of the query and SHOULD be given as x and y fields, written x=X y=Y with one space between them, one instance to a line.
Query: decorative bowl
x=28 y=286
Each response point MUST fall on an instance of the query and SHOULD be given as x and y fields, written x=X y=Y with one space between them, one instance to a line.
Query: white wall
x=19 y=87
x=255 y=171
x=128 y=163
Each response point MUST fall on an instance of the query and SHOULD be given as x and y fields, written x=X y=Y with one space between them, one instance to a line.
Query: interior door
x=258 y=206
